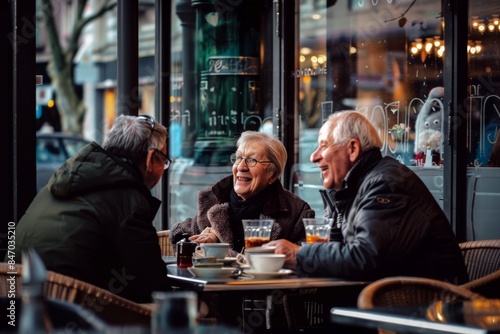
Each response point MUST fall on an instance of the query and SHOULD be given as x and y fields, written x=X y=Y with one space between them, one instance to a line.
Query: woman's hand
x=206 y=236
x=289 y=249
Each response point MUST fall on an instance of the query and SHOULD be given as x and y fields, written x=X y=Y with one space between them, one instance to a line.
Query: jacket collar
x=353 y=178
x=367 y=161
x=274 y=205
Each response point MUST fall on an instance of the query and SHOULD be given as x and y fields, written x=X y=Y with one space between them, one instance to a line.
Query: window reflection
x=381 y=58
x=483 y=103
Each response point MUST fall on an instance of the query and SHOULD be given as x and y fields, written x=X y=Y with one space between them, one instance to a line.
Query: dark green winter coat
x=93 y=222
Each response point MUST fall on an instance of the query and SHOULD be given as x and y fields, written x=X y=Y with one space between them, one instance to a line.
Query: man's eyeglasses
x=165 y=158
x=251 y=162
x=151 y=122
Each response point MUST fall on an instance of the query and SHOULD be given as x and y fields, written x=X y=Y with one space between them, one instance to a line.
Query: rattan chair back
x=109 y=307
x=10 y=280
x=402 y=291
x=482 y=257
x=487 y=286
x=106 y=305
x=165 y=243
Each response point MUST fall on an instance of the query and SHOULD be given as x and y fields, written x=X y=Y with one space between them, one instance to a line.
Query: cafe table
x=457 y=317
x=259 y=305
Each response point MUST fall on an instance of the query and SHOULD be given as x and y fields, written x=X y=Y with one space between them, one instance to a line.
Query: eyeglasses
x=251 y=162
x=151 y=122
x=165 y=158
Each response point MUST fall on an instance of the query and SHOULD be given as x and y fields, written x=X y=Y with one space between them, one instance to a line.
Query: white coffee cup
x=219 y=250
x=243 y=259
x=267 y=262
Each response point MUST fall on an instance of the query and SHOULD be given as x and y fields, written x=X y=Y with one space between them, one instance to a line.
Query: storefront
x=293 y=63
x=425 y=72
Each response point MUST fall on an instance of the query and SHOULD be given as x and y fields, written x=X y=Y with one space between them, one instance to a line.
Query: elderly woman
x=253 y=191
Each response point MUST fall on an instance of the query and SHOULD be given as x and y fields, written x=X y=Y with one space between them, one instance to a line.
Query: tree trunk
x=71 y=107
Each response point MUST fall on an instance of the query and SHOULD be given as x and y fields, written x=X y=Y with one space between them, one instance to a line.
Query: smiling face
x=249 y=181
x=334 y=160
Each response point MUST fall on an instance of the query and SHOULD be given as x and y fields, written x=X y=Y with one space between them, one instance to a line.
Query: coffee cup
x=219 y=250
x=268 y=263
x=243 y=259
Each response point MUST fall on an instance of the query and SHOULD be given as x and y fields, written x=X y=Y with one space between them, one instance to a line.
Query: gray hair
x=132 y=137
x=348 y=124
x=275 y=149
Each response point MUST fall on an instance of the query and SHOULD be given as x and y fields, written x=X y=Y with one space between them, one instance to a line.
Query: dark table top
x=188 y=281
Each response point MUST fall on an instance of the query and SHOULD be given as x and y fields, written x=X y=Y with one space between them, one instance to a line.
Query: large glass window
x=483 y=121
x=221 y=86
x=383 y=58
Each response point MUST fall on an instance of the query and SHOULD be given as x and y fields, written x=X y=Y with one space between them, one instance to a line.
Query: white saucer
x=211 y=272
x=267 y=275
x=262 y=249
x=227 y=261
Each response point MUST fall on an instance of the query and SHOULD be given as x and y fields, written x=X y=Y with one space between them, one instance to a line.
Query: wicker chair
x=111 y=308
x=14 y=283
x=482 y=257
x=401 y=291
x=165 y=244
x=407 y=291
x=487 y=286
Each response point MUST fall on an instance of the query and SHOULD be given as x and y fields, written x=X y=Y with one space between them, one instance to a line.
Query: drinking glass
x=176 y=311
x=257 y=231
x=317 y=229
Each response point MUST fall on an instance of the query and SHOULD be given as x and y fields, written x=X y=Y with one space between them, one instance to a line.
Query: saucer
x=255 y=250
x=211 y=272
x=227 y=261
x=208 y=265
x=268 y=275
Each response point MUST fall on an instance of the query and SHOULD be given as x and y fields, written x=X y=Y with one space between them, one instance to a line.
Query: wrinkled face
x=334 y=161
x=249 y=181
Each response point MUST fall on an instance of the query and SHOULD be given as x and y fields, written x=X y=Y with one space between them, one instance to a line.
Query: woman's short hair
x=348 y=124
x=275 y=150
x=131 y=137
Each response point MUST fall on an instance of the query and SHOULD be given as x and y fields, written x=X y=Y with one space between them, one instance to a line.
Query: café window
x=386 y=59
x=382 y=58
x=483 y=120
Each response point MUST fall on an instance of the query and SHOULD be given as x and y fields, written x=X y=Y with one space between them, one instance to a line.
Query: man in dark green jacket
x=93 y=220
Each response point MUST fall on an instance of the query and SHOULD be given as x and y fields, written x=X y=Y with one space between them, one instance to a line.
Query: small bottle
x=185 y=249
x=428 y=157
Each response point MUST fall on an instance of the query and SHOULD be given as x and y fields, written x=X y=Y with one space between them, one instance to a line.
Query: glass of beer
x=317 y=229
x=257 y=231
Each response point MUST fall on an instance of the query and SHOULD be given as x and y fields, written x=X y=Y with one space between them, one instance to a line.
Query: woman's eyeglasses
x=251 y=162
x=151 y=122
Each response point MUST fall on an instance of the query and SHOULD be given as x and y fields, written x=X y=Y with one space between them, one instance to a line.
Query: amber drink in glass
x=257 y=232
x=317 y=229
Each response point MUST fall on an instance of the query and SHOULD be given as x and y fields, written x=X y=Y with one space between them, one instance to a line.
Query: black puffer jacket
x=391 y=225
x=213 y=211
